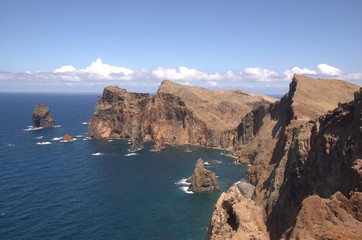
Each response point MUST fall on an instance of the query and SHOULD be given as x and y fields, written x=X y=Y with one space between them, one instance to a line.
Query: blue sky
x=82 y=46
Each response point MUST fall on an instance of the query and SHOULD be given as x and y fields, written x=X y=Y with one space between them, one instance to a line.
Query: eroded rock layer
x=294 y=156
x=176 y=114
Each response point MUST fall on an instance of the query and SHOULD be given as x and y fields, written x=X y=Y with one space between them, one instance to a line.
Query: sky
x=257 y=46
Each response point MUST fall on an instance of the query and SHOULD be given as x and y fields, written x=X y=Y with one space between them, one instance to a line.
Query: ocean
x=93 y=188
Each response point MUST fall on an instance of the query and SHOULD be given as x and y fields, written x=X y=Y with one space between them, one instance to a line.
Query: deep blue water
x=62 y=191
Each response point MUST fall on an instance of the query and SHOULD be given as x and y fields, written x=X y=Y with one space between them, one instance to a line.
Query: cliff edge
x=306 y=170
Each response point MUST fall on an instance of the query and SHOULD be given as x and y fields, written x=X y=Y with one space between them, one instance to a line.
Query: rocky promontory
x=203 y=180
x=305 y=153
x=42 y=117
x=176 y=114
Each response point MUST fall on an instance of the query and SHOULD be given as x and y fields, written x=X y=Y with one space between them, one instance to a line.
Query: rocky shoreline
x=304 y=151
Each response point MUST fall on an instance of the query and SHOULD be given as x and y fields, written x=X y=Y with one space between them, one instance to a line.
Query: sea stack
x=42 y=117
x=203 y=180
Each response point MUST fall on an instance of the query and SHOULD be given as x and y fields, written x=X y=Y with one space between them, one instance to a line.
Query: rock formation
x=306 y=171
x=203 y=180
x=42 y=117
x=68 y=138
x=176 y=114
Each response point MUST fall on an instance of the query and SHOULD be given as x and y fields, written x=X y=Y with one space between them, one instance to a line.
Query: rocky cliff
x=42 y=117
x=176 y=114
x=299 y=163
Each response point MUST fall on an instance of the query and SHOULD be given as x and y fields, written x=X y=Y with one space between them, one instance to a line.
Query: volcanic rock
x=294 y=155
x=203 y=180
x=42 y=117
x=68 y=138
x=176 y=114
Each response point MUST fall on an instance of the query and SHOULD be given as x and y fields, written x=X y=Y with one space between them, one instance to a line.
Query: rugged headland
x=307 y=171
x=176 y=114
x=304 y=151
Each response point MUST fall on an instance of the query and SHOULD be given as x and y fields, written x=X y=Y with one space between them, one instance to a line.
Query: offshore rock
x=136 y=139
x=68 y=138
x=306 y=144
x=42 y=117
x=176 y=114
x=203 y=180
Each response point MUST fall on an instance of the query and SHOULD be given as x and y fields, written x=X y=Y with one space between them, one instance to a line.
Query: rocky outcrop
x=203 y=180
x=294 y=156
x=68 y=137
x=237 y=217
x=42 y=117
x=176 y=114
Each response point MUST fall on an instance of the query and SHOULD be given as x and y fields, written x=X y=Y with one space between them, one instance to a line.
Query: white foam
x=64 y=141
x=206 y=163
x=85 y=123
x=43 y=143
x=110 y=140
x=79 y=136
x=183 y=181
x=97 y=154
x=11 y=145
x=40 y=137
x=57 y=126
x=131 y=154
x=185 y=190
x=30 y=128
x=57 y=138
x=86 y=138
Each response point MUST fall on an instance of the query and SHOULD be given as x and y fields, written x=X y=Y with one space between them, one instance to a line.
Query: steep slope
x=175 y=114
x=294 y=157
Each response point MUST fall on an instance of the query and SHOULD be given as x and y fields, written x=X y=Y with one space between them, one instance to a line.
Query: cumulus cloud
x=184 y=74
x=67 y=68
x=261 y=75
x=297 y=70
x=98 y=73
x=329 y=70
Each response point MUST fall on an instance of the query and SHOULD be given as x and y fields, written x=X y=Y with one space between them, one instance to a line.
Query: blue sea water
x=91 y=189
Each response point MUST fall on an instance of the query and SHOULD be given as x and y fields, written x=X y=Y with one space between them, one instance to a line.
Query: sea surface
x=94 y=189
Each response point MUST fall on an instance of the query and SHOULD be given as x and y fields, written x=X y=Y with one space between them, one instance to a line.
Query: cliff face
x=293 y=157
x=42 y=117
x=176 y=114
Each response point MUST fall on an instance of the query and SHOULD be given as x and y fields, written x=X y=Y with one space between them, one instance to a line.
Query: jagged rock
x=42 y=117
x=236 y=217
x=246 y=189
x=176 y=114
x=68 y=138
x=159 y=144
x=203 y=180
x=293 y=155
x=136 y=139
x=336 y=217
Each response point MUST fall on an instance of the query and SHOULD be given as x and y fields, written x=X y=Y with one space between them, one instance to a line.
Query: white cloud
x=99 y=74
x=297 y=70
x=184 y=74
x=353 y=76
x=329 y=70
x=104 y=70
x=261 y=75
x=67 y=68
